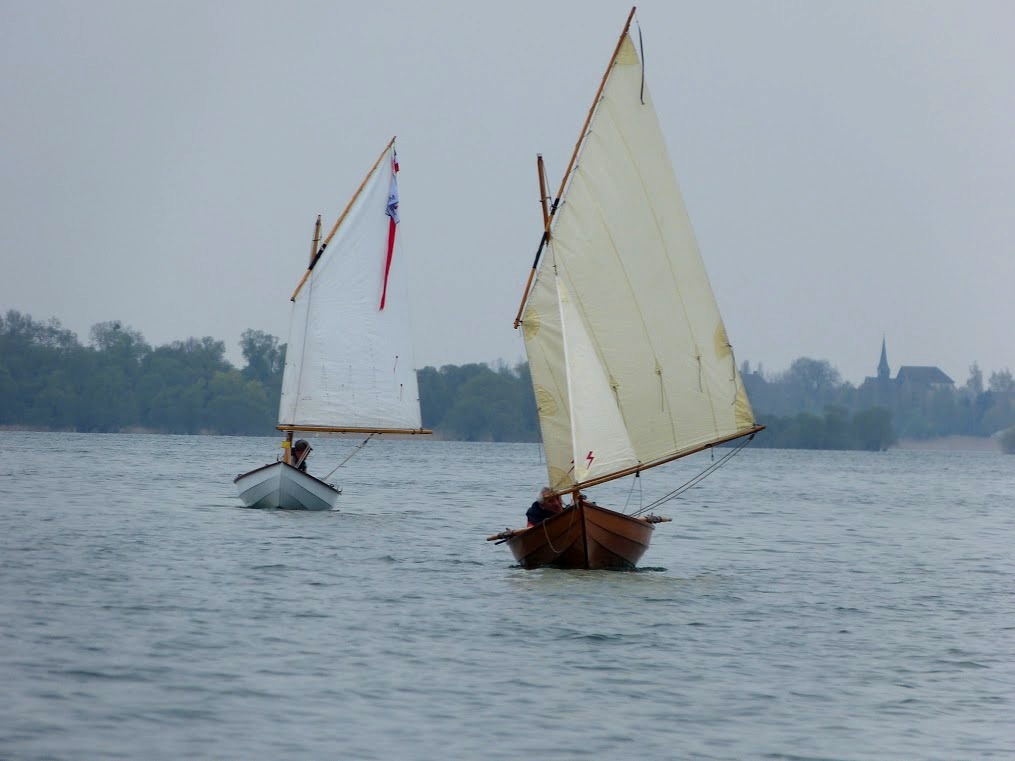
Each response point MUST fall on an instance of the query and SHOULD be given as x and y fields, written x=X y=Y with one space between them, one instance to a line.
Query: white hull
x=285 y=487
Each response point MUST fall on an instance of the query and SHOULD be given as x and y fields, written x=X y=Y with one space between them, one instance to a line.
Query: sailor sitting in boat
x=548 y=505
x=301 y=451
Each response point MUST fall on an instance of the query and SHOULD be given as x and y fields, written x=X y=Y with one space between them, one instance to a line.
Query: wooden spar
x=287 y=445
x=574 y=488
x=542 y=189
x=335 y=429
x=507 y=534
x=316 y=241
x=546 y=222
x=592 y=108
x=570 y=164
x=359 y=190
x=339 y=221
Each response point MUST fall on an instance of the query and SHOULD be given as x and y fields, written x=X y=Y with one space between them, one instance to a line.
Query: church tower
x=884 y=372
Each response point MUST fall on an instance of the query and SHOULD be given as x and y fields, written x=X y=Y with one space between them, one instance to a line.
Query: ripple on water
x=802 y=606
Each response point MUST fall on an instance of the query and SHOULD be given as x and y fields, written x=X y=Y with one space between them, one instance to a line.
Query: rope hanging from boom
x=354 y=451
x=712 y=468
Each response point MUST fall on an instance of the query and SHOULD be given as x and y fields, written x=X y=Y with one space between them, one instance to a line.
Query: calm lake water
x=801 y=605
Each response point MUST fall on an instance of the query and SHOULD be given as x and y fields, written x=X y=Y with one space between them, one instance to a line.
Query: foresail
x=623 y=248
x=544 y=345
x=348 y=362
x=600 y=442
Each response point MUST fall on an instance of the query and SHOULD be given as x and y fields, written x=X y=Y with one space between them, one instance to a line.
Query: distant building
x=923 y=378
x=911 y=381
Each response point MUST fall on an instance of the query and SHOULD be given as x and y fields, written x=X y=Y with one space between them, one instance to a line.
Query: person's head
x=550 y=500
x=301 y=448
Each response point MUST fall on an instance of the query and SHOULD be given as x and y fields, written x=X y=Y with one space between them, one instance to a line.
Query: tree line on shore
x=118 y=382
x=811 y=395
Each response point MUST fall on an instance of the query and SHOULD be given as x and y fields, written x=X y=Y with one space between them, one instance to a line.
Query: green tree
x=477 y=403
x=237 y=405
x=872 y=429
x=1002 y=381
x=974 y=384
x=265 y=358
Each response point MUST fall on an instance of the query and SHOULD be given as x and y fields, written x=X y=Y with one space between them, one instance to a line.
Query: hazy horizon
x=849 y=170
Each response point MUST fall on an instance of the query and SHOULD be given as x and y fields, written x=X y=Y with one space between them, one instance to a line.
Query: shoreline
x=940 y=444
x=951 y=444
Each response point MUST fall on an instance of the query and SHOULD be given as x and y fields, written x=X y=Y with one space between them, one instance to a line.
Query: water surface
x=801 y=605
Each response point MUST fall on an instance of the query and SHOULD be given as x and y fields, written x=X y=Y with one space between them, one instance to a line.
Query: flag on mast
x=392 y=212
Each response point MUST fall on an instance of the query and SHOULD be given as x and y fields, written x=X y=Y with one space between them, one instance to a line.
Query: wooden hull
x=587 y=536
x=285 y=487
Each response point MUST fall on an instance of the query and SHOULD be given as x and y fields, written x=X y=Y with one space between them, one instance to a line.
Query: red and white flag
x=392 y=212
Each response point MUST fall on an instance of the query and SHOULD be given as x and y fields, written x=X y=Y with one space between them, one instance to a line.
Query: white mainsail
x=629 y=358
x=348 y=362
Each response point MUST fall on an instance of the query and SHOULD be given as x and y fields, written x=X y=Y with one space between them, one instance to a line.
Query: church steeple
x=884 y=372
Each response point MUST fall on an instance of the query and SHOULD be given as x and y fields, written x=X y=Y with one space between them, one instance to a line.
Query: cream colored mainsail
x=629 y=358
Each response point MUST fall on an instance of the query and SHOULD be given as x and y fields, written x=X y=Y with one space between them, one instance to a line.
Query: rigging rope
x=354 y=451
x=714 y=466
x=637 y=480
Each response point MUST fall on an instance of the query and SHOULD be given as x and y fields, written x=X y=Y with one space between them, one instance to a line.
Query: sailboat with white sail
x=630 y=362
x=348 y=366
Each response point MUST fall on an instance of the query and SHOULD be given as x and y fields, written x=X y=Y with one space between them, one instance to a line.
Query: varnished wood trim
x=335 y=429
x=663 y=461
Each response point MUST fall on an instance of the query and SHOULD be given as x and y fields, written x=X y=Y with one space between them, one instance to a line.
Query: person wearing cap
x=301 y=450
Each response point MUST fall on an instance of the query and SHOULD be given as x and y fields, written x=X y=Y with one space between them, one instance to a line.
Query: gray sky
x=849 y=168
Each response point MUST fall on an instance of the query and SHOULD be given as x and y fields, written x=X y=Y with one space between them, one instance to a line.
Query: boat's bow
x=281 y=486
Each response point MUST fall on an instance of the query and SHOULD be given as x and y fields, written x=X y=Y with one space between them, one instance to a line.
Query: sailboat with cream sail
x=348 y=366
x=631 y=365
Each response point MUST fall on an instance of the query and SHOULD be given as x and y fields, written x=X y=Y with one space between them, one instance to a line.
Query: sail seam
x=669 y=266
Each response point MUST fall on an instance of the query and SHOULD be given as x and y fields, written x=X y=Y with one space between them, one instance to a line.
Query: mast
x=339 y=221
x=316 y=241
x=541 y=171
x=288 y=443
x=570 y=164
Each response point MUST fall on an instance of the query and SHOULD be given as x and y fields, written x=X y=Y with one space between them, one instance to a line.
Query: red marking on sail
x=392 y=212
x=590 y=457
